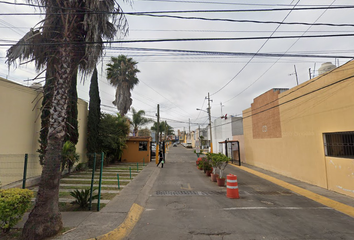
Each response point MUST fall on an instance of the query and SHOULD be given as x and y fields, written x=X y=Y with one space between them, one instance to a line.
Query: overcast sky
x=180 y=81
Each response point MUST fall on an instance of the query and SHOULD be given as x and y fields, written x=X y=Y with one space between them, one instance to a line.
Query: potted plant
x=208 y=168
x=198 y=161
x=221 y=162
x=212 y=158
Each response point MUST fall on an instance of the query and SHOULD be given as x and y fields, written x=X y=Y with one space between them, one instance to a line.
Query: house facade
x=307 y=132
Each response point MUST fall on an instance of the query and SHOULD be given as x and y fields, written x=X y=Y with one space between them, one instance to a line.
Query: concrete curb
x=135 y=211
x=121 y=214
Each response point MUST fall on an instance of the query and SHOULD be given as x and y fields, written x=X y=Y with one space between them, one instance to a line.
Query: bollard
x=137 y=167
x=130 y=172
x=92 y=179
x=25 y=172
x=143 y=162
x=118 y=181
x=99 y=184
x=232 y=187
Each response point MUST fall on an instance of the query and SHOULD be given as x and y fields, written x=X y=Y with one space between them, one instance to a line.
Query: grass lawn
x=104 y=196
x=114 y=187
x=76 y=182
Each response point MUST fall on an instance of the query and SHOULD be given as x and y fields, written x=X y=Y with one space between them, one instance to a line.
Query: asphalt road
x=184 y=204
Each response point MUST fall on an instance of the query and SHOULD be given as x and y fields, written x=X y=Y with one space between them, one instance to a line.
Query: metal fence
x=12 y=168
x=17 y=169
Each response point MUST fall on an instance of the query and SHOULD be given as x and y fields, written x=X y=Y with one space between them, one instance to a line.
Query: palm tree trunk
x=45 y=219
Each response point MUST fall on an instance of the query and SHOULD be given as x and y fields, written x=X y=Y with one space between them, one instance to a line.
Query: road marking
x=126 y=227
x=346 y=209
x=189 y=187
x=271 y=208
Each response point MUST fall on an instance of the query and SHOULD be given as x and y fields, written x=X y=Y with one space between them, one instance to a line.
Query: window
x=143 y=146
x=339 y=144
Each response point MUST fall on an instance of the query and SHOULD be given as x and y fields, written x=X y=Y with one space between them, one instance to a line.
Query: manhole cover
x=188 y=193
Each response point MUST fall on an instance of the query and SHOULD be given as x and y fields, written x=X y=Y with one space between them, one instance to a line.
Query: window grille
x=339 y=144
x=143 y=146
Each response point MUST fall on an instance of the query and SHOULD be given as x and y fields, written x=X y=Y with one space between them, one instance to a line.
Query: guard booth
x=232 y=150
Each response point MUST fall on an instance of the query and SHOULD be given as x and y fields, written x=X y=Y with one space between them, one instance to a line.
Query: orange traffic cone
x=232 y=187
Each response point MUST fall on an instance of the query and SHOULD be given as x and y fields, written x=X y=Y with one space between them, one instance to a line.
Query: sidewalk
x=118 y=217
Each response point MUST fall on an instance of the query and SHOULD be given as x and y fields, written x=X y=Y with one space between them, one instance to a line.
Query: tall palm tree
x=70 y=38
x=138 y=120
x=121 y=73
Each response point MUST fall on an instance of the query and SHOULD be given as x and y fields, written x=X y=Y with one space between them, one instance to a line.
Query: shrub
x=219 y=161
x=81 y=167
x=83 y=197
x=14 y=202
x=69 y=156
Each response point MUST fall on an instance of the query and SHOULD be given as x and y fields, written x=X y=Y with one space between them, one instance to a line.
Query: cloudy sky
x=178 y=75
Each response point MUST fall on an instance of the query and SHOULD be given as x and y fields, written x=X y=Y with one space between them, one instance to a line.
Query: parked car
x=174 y=144
x=153 y=150
x=188 y=145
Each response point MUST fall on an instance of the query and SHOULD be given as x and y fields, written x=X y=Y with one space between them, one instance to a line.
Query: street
x=184 y=204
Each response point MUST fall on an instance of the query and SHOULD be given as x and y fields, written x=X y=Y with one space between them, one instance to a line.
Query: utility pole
x=221 y=108
x=211 y=136
x=157 y=134
x=189 y=126
x=310 y=73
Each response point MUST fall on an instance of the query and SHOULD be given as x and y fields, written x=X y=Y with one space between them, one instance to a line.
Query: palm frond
x=28 y=47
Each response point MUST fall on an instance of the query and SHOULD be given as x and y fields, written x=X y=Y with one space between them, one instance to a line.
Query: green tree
x=113 y=135
x=144 y=132
x=94 y=117
x=65 y=23
x=69 y=156
x=121 y=73
x=163 y=128
x=138 y=120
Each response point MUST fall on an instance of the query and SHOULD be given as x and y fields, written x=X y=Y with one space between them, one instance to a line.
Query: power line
x=295 y=98
x=279 y=57
x=184 y=40
x=255 y=53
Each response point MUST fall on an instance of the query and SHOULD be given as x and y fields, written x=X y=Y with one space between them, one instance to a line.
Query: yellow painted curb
x=306 y=193
x=126 y=227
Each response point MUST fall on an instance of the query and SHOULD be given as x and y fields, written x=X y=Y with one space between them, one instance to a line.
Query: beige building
x=306 y=132
x=19 y=130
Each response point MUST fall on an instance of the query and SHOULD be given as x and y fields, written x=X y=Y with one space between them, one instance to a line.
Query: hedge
x=14 y=202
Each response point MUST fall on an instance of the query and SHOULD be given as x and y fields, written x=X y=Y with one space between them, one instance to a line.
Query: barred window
x=339 y=144
x=143 y=146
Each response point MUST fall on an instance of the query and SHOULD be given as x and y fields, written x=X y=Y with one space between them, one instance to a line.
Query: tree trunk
x=123 y=99
x=45 y=219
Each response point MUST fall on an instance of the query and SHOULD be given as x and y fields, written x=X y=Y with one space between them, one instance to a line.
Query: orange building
x=137 y=150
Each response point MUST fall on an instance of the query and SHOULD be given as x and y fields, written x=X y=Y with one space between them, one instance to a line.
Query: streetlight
x=211 y=138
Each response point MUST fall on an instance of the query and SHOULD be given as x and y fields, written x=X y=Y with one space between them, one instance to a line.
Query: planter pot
x=213 y=177
x=208 y=173
x=221 y=182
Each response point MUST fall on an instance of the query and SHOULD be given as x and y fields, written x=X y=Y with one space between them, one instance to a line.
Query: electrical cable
x=259 y=49
x=278 y=58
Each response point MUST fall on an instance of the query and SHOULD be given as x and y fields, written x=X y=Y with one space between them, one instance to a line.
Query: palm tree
x=70 y=39
x=138 y=120
x=121 y=74
x=163 y=128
